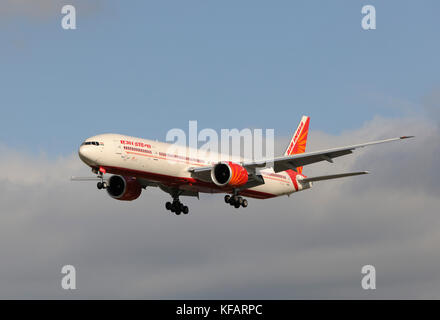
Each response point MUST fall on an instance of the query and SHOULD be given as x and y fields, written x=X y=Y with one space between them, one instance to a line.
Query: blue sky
x=144 y=67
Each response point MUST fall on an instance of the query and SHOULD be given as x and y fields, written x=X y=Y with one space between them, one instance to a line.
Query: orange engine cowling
x=229 y=174
x=123 y=188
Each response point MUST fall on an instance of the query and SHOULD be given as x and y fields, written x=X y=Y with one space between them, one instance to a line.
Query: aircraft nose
x=85 y=154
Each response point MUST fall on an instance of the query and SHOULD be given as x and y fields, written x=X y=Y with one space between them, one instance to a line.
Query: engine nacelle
x=123 y=188
x=229 y=174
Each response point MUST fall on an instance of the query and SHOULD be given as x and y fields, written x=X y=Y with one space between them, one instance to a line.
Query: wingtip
x=406 y=137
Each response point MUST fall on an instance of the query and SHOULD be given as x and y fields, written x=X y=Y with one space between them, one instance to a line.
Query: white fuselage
x=168 y=164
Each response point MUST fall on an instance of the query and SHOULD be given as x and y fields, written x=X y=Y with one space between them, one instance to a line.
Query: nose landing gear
x=101 y=184
x=236 y=201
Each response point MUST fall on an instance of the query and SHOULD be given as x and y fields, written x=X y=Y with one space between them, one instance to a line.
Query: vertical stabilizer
x=299 y=140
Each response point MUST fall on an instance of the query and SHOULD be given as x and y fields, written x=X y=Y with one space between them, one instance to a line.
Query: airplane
x=136 y=164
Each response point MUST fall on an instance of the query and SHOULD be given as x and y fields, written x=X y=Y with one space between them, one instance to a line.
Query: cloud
x=310 y=245
x=431 y=103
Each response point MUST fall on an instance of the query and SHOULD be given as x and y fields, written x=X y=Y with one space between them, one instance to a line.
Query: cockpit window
x=86 y=143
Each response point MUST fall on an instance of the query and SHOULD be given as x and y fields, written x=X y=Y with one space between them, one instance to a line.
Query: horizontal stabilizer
x=333 y=176
x=85 y=179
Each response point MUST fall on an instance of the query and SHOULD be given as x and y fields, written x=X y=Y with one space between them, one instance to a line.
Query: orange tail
x=299 y=140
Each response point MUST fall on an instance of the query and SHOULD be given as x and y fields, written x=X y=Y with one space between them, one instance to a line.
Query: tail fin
x=299 y=140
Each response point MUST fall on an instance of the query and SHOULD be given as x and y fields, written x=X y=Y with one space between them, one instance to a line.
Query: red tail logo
x=299 y=140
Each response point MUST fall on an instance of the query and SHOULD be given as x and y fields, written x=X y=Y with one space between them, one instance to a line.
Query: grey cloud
x=310 y=245
x=431 y=103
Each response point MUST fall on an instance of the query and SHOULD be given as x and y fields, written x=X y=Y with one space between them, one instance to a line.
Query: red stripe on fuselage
x=292 y=174
x=185 y=182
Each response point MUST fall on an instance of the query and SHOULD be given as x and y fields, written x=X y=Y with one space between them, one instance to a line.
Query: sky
x=145 y=67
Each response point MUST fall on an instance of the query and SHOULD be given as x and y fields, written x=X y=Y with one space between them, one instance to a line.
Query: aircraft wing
x=298 y=160
x=292 y=162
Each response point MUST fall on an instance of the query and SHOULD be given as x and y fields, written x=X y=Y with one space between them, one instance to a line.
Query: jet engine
x=229 y=174
x=123 y=188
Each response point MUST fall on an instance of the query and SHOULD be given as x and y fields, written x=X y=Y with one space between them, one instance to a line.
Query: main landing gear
x=101 y=184
x=236 y=201
x=176 y=206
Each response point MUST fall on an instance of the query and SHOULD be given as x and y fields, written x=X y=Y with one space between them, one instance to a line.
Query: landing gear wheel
x=176 y=206
x=233 y=200
x=99 y=185
x=236 y=201
x=104 y=185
